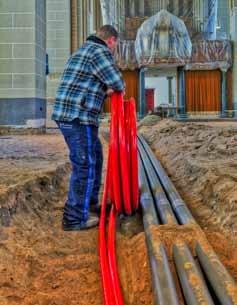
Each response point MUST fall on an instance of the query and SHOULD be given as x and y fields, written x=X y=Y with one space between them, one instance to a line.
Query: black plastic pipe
x=162 y=280
x=194 y=287
x=162 y=203
x=221 y=281
x=146 y=200
x=181 y=210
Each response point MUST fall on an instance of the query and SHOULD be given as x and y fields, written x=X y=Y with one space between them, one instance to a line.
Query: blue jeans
x=86 y=158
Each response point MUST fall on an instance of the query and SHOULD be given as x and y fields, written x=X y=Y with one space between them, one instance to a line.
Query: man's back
x=88 y=74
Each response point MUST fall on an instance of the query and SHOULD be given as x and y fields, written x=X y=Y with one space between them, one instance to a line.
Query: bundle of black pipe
x=162 y=281
x=162 y=203
x=192 y=280
x=181 y=211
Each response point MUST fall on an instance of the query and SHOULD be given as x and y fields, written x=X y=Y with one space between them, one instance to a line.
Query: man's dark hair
x=107 y=31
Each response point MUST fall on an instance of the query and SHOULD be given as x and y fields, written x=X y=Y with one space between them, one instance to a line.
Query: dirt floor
x=42 y=265
x=39 y=263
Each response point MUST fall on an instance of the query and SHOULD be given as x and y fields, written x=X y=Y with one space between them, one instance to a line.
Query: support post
x=233 y=33
x=132 y=8
x=141 y=8
x=142 y=97
x=223 y=93
x=170 y=78
x=23 y=71
x=74 y=26
x=182 y=101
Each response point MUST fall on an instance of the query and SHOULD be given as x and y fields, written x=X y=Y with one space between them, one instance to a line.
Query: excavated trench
x=39 y=263
x=42 y=265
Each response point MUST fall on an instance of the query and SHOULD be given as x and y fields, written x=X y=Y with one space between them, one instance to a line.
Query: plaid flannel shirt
x=89 y=72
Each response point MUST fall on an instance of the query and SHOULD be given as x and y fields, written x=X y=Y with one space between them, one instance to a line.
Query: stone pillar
x=233 y=33
x=132 y=8
x=182 y=101
x=175 y=5
x=198 y=11
x=98 y=16
x=74 y=26
x=22 y=64
x=105 y=10
x=142 y=96
x=121 y=27
x=141 y=8
x=170 y=93
x=89 y=18
x=58 y=42
x=210 y=19
x=223 y=17
x=223 y=93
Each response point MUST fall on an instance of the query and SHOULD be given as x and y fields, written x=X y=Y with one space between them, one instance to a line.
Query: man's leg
x=81 y=143
x=94 y=202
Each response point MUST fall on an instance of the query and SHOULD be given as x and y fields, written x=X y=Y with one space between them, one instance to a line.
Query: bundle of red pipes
x=120 y=190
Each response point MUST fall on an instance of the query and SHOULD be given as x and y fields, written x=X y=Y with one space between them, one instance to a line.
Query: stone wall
x=22 y=63
x=58 y=41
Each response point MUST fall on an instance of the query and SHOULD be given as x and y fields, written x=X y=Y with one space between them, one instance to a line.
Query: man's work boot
x=91 y=222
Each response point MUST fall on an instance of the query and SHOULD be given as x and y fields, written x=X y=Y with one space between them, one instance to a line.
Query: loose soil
x=201 y=160
x=42 y=265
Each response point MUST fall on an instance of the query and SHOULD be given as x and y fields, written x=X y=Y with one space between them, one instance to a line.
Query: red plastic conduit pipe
x=123 y=156
x=121 y=186
x=128 y=144
x=104 y=264
x=114 y=149
x=133 y=154
x=118 y=298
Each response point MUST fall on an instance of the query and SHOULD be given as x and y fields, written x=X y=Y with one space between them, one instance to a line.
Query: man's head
x=109 y=34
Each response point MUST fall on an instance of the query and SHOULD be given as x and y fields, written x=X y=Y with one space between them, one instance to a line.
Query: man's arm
x=105 y=69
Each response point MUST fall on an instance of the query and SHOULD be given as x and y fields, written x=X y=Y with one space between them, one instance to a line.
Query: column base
x=223 y=115
x=23 y=112
x=181 y=116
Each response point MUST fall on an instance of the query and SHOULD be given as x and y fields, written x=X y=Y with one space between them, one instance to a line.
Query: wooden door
x=149 y=99
x=203 y=91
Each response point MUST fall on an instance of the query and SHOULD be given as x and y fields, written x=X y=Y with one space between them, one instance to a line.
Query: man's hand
x=109 y=92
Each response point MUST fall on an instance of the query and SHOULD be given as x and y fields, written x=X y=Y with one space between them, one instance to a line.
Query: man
x=90 y=75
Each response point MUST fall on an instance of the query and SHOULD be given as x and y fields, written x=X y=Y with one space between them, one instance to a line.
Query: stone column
x=105 y=10
x=132 y=8
x=170 y=78
x=121 y=27
x=175 y=4
x=223 y=93
x=234 y=38
x=182 y=101
x=58 y=45
x=142 y=96
x=98 y=16
x=74 y=25
x=223 y=17
x=210 y=19
x=23 y=64
x=141 y=8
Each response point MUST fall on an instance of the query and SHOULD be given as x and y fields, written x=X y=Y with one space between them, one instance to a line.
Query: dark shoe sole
x=78 y=227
